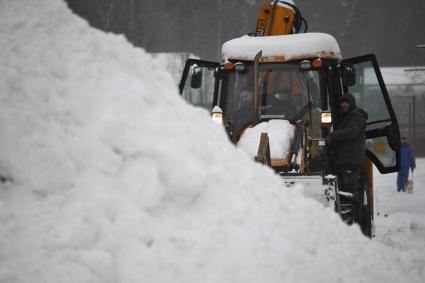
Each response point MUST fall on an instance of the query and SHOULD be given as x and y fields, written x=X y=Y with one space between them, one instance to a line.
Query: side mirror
x=196 y=78
x=348 y=75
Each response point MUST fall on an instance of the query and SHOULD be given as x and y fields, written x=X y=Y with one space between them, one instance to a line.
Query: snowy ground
x=109 y=176
x=400 y=222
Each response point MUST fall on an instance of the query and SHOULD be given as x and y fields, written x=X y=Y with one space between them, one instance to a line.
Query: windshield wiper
x=300 y=113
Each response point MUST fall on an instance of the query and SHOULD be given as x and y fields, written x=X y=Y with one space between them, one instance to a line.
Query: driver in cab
x=279 y=102
x=245 y=106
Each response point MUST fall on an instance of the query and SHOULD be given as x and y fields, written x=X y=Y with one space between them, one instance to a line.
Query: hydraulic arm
x=279 y=18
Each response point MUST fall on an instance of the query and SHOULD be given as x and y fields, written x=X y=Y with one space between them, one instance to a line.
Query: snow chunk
x=280 y=134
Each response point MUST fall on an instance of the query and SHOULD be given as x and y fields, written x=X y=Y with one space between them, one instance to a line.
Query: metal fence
x=409 y=105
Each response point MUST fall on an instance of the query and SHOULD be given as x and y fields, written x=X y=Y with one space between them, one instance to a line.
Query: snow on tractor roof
x=281 y=48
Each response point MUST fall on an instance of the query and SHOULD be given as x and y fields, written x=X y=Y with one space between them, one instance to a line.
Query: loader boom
x=279 y=18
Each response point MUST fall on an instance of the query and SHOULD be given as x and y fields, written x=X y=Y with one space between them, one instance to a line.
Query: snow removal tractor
x=276 y=92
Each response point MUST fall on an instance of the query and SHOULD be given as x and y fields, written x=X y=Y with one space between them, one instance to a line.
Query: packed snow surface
x=282 y=47
x=280 y=133
x=107 y=175
x=400 y=220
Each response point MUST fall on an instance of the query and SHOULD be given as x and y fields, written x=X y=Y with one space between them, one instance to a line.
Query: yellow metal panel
x=283 y=20
x=274 y=21
x=263 y=21
x=279 y=162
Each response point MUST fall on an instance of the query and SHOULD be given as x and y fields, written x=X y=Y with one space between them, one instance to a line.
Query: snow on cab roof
x=282 y=48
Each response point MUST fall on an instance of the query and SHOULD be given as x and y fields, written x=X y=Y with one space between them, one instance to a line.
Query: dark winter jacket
x=406 y=156
x=347 y=141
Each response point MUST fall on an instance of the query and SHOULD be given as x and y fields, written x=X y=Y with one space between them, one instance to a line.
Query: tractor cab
x=297 y=78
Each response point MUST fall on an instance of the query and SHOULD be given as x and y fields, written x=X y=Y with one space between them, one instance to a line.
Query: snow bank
x=110 y=177
x=173 y=62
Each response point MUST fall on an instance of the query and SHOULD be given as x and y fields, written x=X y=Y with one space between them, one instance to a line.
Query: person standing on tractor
x=347 y=145
x=407 y=161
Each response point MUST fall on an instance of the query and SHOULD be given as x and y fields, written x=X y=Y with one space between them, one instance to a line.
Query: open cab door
x=198 y=83
x=382 y=132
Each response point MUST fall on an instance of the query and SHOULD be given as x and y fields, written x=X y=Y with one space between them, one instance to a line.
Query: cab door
x=198 y=83
x=382 y=132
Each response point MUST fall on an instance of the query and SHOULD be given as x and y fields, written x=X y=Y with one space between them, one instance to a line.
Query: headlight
x=217 y=114
x=217 y=117
x=326 y=119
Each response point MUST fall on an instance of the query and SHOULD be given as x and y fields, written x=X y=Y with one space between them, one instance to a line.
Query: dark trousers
x=402 y=177
x=351 y=179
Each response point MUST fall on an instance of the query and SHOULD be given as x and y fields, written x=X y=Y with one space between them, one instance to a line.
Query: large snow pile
x=173 y=62
x=108 y=176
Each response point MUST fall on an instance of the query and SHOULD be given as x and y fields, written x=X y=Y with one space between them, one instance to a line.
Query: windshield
x=285 y=92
